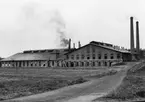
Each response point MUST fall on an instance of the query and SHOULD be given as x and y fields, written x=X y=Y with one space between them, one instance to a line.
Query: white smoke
x=37 y=18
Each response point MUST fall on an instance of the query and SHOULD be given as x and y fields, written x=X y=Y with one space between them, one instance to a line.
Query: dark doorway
x=72 y=64
x=105 y=63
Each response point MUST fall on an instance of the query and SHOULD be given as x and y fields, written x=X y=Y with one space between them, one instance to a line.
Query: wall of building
x=28 y=63
x=87 y=56
x=92 y=56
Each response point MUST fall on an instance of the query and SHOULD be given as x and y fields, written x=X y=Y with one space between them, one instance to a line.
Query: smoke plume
x=60 y=28
x=40 y=20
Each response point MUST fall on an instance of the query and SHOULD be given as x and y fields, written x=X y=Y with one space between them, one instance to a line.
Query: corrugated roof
x=111 y=48
x=49 y=50
x=106 y=47
x=30 y=56
x=49 y=54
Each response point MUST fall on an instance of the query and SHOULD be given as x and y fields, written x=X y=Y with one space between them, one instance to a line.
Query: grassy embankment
x=132 y=86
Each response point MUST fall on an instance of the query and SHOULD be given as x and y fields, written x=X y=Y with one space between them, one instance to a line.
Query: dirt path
x=77 y=93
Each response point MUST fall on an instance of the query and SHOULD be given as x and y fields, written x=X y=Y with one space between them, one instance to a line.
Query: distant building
x=93 y=54
x=34 y=58
x=96 y=54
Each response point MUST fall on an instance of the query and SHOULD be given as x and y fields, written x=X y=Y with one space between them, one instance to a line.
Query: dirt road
x=77 y=93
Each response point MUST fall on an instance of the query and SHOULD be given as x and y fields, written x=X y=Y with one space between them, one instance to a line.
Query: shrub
x=77 y=81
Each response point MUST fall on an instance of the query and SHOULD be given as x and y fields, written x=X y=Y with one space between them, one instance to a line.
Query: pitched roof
x=61 y=50
x=106 y=46
x=47 y=54
x=30 y=56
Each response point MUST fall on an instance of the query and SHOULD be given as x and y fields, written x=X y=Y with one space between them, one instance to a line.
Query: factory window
x=27 y=63
x=88 y=56
x=112 y=56
x=93 y=56
x=88 y=49
x=93 y=49
x=67 y=64
x=72 y=56
x=99 y=56
x=67 y=57
x=23 y=63
x=82 y=64
x=87 y=63
x=77 y=63
x=105 y=56
x=99 y=63
x=118 y=56
x=110 y=63
x=93 y=63
x=77 y=57
x=39 y=63
x=83 y=56
x=52 y=63
x=44 y=65
x=72 y=64
x=105 y=63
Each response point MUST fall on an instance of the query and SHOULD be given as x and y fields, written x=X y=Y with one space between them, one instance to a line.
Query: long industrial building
x=93 y=54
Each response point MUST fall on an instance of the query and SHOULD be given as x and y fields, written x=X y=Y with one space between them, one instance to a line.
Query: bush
x=77 y=81
x=118 y=63
x=102 y=74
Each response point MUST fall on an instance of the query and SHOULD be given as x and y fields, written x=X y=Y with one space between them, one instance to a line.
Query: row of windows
x=76 y=64
x=94 y=56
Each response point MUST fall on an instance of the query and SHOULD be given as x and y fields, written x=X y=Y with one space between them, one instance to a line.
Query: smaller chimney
x=137 y=37
x=69 y=45
x=79 y=44
x=74 y=45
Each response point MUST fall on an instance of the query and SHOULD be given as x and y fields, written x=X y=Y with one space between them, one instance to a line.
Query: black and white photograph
x=72 y=51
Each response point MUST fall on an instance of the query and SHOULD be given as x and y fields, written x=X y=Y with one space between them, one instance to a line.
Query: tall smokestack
x=79 y=44
x=137 y=37
x=74 y=45
x=131 y=35
x=69 y=45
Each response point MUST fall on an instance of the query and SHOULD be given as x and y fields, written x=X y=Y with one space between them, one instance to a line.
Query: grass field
x=17 y=82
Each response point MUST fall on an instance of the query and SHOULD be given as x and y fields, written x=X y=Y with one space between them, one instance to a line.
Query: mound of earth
x=132 y=86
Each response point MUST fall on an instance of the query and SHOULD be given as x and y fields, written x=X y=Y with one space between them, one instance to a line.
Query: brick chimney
x=69 y=45
x=79 y=44
x=74 y=45
x=131 y=35
x=137 y=38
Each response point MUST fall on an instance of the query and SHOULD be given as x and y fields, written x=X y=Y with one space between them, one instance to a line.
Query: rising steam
x=60 y=28
x=37 y=18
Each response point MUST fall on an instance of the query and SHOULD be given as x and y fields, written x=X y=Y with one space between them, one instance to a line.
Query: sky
x=41 y=24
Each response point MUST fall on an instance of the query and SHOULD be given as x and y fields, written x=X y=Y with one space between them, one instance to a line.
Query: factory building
x=93 y=54
x=35 y=58
x=96 y=54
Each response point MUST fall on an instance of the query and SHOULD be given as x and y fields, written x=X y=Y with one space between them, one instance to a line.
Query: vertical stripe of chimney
x=131 y=35
x=137 y=37
x=69 y=45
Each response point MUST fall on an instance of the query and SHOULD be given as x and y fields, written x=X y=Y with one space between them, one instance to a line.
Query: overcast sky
x=31 y=24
